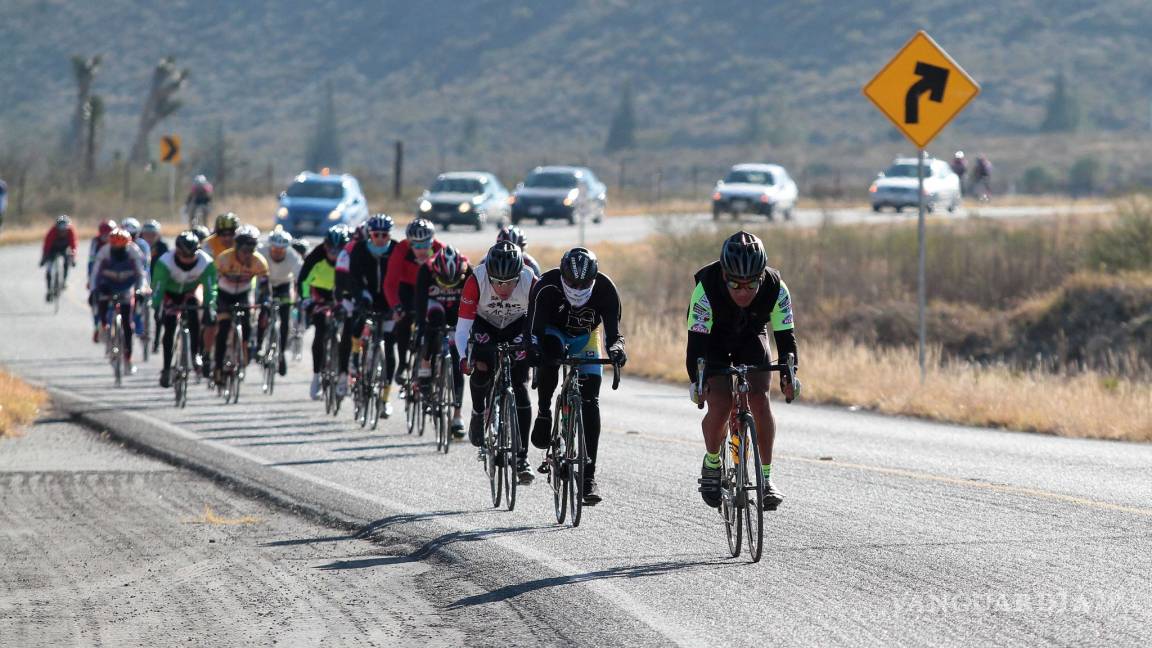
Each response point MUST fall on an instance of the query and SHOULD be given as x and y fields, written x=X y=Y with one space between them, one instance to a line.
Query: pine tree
x=754 y=130
x=324 y=148
x=622 y=133
x=1062 y=114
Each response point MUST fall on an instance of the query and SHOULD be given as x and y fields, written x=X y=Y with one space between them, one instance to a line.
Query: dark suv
x=559 y=193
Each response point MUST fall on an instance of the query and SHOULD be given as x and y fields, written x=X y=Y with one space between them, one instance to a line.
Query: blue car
x=315 y=202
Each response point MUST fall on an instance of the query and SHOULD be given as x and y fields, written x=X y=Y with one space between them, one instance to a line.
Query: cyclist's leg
x=755 y=351
x=523 y=403
x=389 y=355
x=246 y=330
x=552 y=349
x=352 y=327
x=224 y=304
x=285 y=314
x=169 y=322
x=591 y=377
x=481 y=380
x=126 y=313
x=403 y=333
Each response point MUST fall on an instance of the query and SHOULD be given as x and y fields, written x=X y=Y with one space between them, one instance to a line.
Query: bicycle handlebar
x=576 y=362
x=787 y=368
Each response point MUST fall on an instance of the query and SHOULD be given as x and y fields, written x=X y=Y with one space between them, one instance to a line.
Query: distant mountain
x=548 y=74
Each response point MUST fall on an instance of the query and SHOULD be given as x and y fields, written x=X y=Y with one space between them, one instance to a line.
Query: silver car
x=465 y=198
x=764 y=189
x=567 y=193
x=897 y=186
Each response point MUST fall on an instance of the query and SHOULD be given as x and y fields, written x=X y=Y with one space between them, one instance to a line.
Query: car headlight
x=465 y=207
x=282 y=212
x=425 y=206
x=872 y=189
x=511 y=200
x=335 y=214
x=570 y=199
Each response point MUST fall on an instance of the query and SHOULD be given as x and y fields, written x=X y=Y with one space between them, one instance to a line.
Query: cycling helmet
x=420 y=230
x=131 y=225
x=337 y=237
x=505 y=260
x=227 y=221
x=379 y=223
x=301 y=246
x=201 y=232
x=119 y=239
x=247 y=235
x=578 y=268
x=188 y=242
x=279 y=239
x=448 y=265
x=62 y=221
x=152 y=225
x=959 y=155
x=742 y=256
x=200 y=179
x=514 y=234
x=107 y=226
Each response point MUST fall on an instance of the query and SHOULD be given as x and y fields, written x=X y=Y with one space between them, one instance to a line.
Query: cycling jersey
x=233 y=276
x=548 y=307
x=284 y=272
x=94 y=248
x=718 y=327
x=215 y=246
x=201 y=194
x=119 y=273
x=317 y=274
x=400 y=280
x=176 y=280
x=159 y=249
x=56 y=242
x=360 y=273
x=430 y=291
x=104 y=252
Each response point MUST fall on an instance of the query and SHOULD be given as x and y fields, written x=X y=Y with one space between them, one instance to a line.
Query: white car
x=465 y=198
x=764 y=189
x=897 y=187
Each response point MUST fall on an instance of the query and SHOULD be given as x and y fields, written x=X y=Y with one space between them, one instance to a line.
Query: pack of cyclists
x=422 y=291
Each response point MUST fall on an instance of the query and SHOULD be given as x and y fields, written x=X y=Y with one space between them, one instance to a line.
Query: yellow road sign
x=921 y=89
x=170 y=149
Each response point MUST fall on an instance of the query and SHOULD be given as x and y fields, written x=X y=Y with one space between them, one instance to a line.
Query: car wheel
x=479 y=224
x=572 y=217
x=899 y=208
x=715 y=214
x=446 y=226
x=876 y=209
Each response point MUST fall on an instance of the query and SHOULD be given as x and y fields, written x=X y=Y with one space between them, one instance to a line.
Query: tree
x=324 y=147
x=1084 y=176
x=84 y=71
x=469 y=137
x=93 y=115
x=167 y=81
x=1062 y=114
x=622 y=132
x=754 y=129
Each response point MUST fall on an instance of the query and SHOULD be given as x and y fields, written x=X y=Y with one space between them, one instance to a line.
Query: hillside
x=547 y=75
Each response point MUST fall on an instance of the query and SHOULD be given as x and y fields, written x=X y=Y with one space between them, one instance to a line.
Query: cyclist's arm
x=610 y=311
x=208 y=280
x=469 y=297
x=49 y=240
x=161 y=277
x=783 y=326
x=395 y=271
x=700 y=321
x=541 y=300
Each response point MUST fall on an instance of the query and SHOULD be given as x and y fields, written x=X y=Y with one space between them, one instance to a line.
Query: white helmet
x=959 y=155
x=131 y=225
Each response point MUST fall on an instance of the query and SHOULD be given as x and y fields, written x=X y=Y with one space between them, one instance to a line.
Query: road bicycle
x=296 y=332
x=270 y=350
x=330 y=370
x=56 y=281
x=501 y=426
x=114 y=340
x=441 y=398
x=413 y=395
x=146 y=326
x=368 y=384
x=235 y=355
x=566 y=459
x=183 y=364
x=741 y=479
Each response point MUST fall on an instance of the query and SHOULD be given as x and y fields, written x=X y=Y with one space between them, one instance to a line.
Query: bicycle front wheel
x=753 y=488
x=509 y=446
x=730 y=478
x=577 y=460
x=492 y=455
x=236 y=357
x=116 y=337
x=146 y=338
x=183 y=365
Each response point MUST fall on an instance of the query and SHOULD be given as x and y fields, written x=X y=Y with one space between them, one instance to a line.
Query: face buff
x=578 y=297
x=377 y=250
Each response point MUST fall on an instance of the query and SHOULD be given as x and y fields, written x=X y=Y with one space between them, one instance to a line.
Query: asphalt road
x=894 y=531
x=624 y=229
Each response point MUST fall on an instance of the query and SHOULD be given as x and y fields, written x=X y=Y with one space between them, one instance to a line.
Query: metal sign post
x=921 y=292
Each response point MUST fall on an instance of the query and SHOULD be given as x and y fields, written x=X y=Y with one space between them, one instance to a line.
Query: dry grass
x=1086 y=404
x=20 y=403
x=211 y=518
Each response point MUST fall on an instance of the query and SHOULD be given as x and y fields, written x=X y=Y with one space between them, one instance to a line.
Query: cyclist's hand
x=397 y=314
x=791 y=389
x=465 y=368
x=616 y=352
x=695 y=393
x=305 y=303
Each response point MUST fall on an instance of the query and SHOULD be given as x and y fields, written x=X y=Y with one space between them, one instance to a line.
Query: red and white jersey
x=480 y=300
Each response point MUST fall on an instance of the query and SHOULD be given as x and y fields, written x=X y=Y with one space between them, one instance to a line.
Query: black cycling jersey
x=429 y=289
x=547 y=306
x=363 y=274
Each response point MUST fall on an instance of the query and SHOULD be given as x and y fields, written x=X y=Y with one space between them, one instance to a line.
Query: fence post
x=399 y=170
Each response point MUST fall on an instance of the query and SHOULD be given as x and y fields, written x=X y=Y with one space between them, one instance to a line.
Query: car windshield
x=551 y=181
x=905 y=171
x=306 y=189
x=457 y=185
x=750 y=177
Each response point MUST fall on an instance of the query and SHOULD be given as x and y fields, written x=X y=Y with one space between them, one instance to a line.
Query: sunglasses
x=504 y=283
x=379 y=235
x=421 y=246
x=753 y=284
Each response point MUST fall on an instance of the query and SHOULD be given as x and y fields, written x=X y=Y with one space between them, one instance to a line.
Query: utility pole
x=399 y=170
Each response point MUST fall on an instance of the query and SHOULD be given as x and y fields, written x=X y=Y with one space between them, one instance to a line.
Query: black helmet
x=201 y=232
x=448 y=265
x=337 y=237
x=742 y=256
x=578 y=267
x=379 y=223
x=187 y=242
x=420 y=230
x=504 y=261
x=514 y=234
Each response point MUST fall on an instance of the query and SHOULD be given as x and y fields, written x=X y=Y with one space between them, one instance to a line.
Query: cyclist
x=982 y=178
x=493 y=309
x=119 y=271
x=439 y=284
x=99 y=242
x=400 y=282
x=514 y=234
x=175 y=277
x=236 y=269
x=60 y=239
x=151 y=235
x=224 y=236
x=733 y=304
x=360 y=271
x=3 y=200
x=317 y=285
x=199 y=196
x=133 y=227
x=201 y=232
x=566 y=308
x=284 y=266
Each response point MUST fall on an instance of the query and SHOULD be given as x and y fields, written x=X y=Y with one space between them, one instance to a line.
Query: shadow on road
x=430 y=547
x=310 y=462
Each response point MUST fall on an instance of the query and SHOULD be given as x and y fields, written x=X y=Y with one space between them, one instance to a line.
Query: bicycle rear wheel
x=236 y=358
x=510 y=446
x=577 y=460
x=492 y=457
x=380 y=385
x=116 y=337
x=447 y=390
x=183 y=364
x=730 y=491
x=332 y=358
x=146 y=337
x=271 y=355
x=57 y=283
x=753 y=488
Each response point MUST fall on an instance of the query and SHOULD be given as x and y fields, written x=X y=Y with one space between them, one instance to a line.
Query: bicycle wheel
x=510 y=446
x=380 y=384
x=57 y=281
x=332 y=357
x=556 y=468
x=492 y=459
x=752 y=487
x=146 y=336
x=577 y=459
x=730 y=507
x=447 y=389
x=271 y=355
x=184 y=364
x=236 y=358
x=116 y=337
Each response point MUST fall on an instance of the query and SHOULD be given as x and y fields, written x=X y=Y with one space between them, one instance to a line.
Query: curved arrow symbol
x=933 y=80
